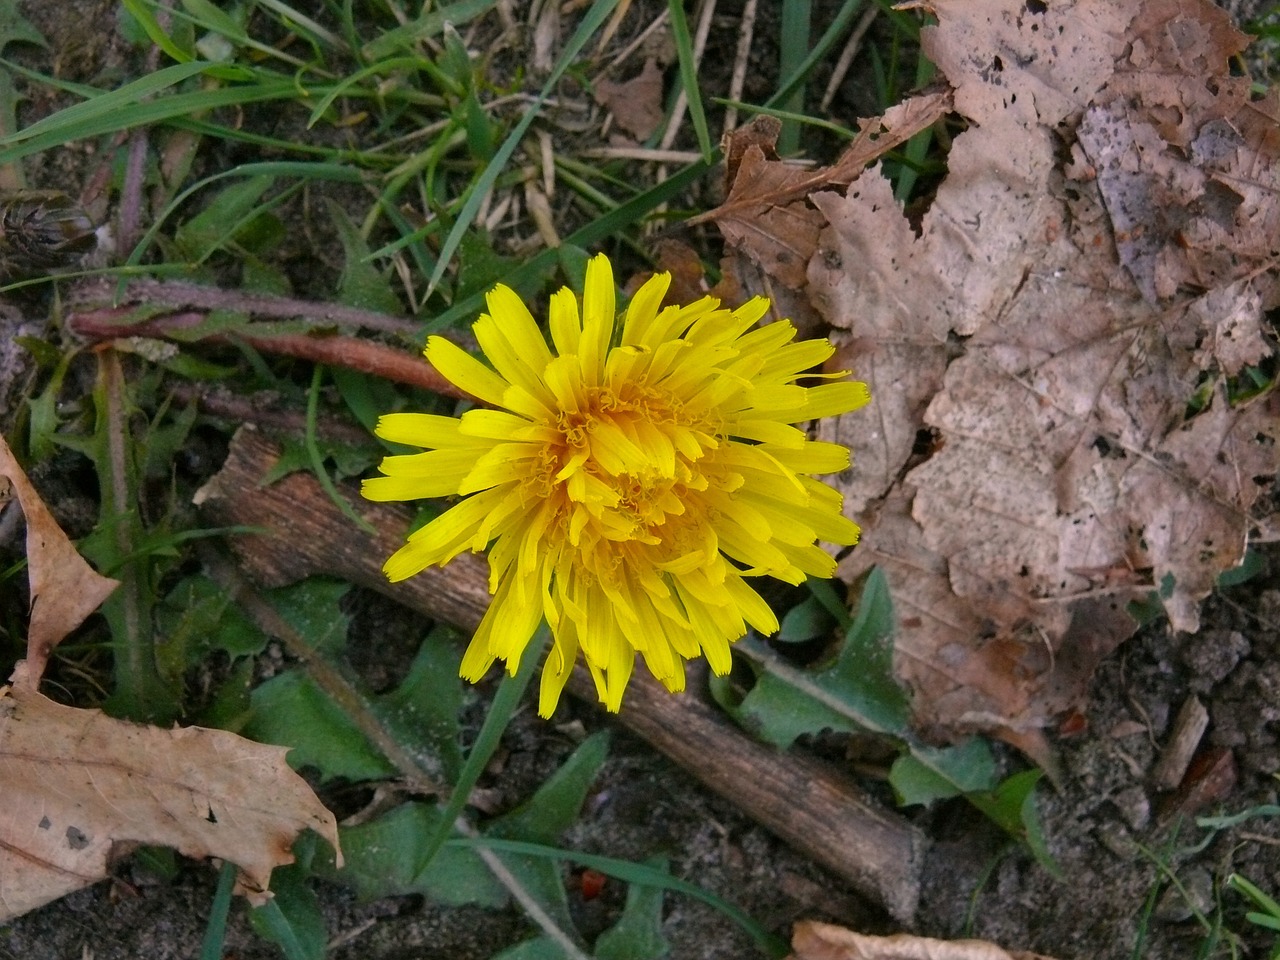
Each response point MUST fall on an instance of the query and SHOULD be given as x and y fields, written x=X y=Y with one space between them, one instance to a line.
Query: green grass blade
x=793 y=50
x=637 y=873
x=215 y=932
x=600 y=228
x=111 y=112
x=839 y=26
x=131 y=94
x=592 y=22
x=689 y=76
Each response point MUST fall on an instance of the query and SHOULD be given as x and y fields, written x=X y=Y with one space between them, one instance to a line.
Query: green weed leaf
x=552 y=810
x=382 y=859
x=421 y=713
x=222 y=218
x=539 y=948
x=1012 y=806
x=291 y=919
x=638 y=933
x=361 y=283
x=856 y=692
x=927 y=774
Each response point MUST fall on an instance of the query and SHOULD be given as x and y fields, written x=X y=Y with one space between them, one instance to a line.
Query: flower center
x=624 y=464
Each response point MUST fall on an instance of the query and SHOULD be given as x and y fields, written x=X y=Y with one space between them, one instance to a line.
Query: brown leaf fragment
x=1186 y=166
x=81 y=786
x=1175 y=46
x=636 y=104
x=780 y=235
x=902 y=297
x=767 y=214
x=1030 y=62
x=1028 y=465
x=825 y=941
x=64 y=588
x=761 y=132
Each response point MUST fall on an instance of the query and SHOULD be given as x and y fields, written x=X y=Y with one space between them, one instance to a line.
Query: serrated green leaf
x=638 y=933
x=42 y=434
x=367 y=397
x=807 y=620
x=422 y=713
x=221 y=219
x=555 y=807
x=381 y=860
x=312 y=607
x=350 y=460
x=856 y=692
x=539 y=948
x=1012 y=806
x=198 y=615
x=549 y=813
x=927 y=774
x=361 y=283
x=480 y=267
x=290 y=710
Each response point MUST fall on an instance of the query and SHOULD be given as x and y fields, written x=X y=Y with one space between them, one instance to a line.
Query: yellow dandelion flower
x=629 y=480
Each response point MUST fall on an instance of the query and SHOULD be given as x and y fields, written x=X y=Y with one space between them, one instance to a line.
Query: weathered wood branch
x=807 y=803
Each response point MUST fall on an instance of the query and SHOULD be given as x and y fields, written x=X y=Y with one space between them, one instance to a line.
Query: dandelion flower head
x=630 y=476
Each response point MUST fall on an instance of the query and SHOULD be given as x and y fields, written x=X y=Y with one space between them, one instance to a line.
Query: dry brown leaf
x=64 y=588
x=767 y=214
x=81 y=786
x=636 y=104
x=1025 y=62
x=824 y=941
x=1061 y=477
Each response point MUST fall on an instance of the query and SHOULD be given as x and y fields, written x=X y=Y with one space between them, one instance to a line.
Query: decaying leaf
x=1101 y=251
x=636 y=104
x=767 y=214
x=824 y=941
x=81 y=786
x=64 y=588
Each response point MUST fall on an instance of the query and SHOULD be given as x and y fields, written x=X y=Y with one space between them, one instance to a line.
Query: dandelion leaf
x=383 y=859
x=637 y=935
x=421 y=713
x=855 y=692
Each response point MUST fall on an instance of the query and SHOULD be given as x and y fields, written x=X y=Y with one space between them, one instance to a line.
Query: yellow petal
x=598 y=316
x=465 y=371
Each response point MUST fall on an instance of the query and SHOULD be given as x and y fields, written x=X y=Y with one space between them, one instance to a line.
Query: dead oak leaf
x=767 y=213
x=64 y=588
x=81 y=787
x=1029 y=62
x=1062 y=476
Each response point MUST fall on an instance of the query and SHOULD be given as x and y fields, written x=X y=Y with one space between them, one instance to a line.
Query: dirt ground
x=1120 y=844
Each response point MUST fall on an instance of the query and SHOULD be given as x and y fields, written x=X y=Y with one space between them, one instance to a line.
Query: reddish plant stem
x=334 y=349
x=178 y=295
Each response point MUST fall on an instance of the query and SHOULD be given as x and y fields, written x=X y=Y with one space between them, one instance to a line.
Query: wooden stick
x=808 y=804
